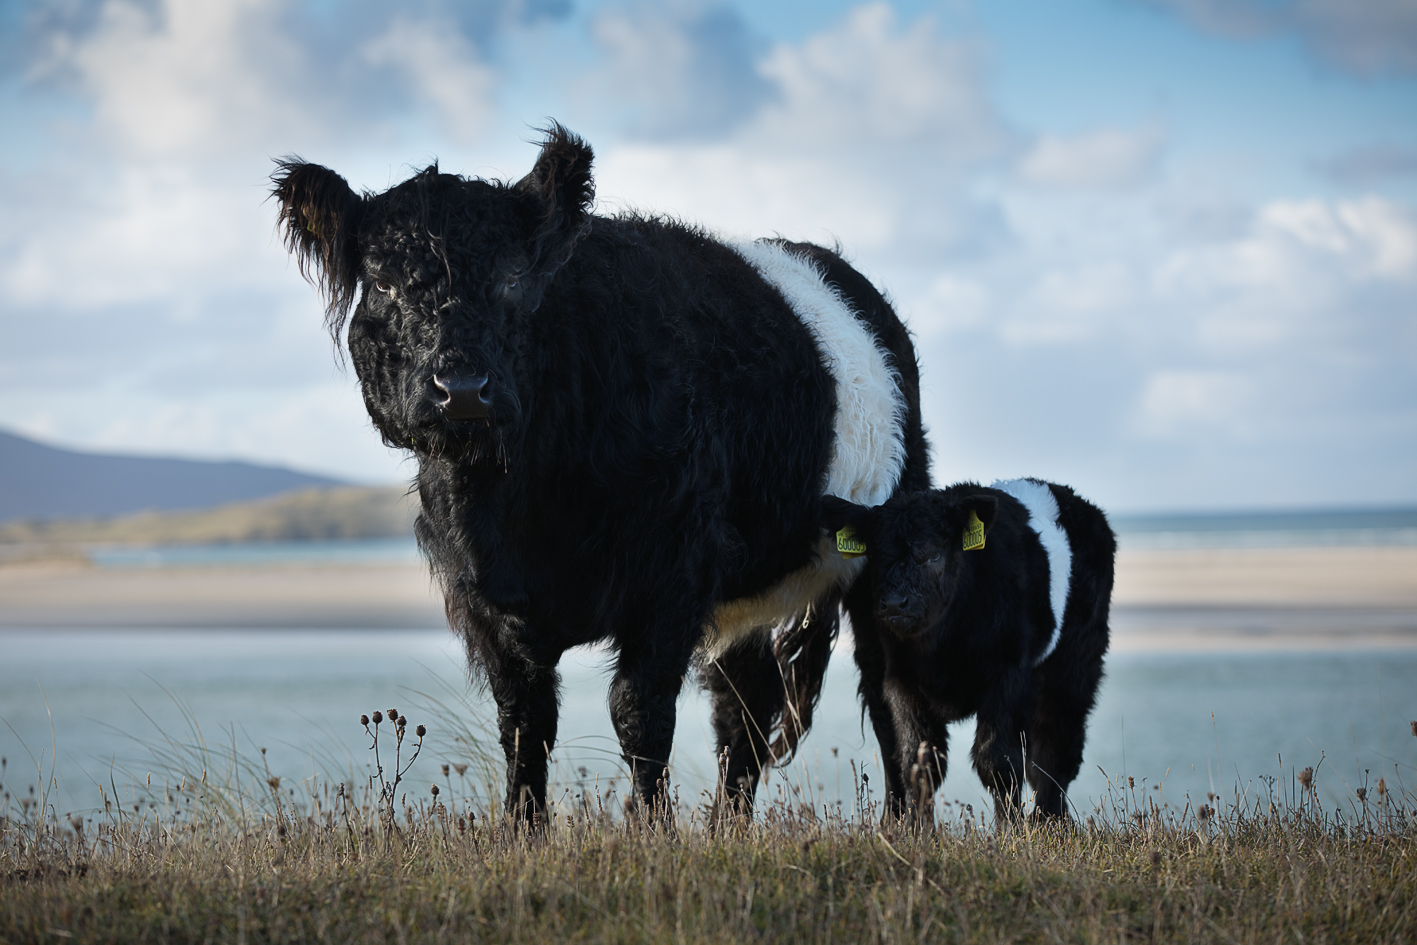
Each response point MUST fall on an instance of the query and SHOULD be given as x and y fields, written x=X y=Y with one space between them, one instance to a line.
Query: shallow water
x=110 y=703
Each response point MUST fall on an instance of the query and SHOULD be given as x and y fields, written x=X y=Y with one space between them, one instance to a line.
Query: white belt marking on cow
x=868 y=450
x=1043 y=518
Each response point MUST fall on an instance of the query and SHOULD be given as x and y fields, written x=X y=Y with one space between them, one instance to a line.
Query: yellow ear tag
x=973 y=533
x=848 y=544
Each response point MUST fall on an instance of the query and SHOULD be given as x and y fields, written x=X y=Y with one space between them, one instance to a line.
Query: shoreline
x=1187 y=600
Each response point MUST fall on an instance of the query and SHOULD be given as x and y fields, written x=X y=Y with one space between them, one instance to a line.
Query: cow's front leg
x=527 y=697
x=642 y=708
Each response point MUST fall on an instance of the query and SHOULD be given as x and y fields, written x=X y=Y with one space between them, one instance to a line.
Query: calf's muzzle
x=461 y=397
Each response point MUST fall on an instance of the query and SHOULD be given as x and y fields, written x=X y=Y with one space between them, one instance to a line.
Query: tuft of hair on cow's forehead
x=434 y=216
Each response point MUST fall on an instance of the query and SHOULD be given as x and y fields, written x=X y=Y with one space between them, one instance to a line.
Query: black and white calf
x=985 y=602
x=624 y=429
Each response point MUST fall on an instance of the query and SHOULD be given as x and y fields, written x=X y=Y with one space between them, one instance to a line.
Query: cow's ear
x=840 y=513
x=562 y=183
x=984 y=506
x=319 y=215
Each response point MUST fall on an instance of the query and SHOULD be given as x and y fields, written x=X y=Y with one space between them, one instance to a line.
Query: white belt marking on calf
x=1043 y=518
x=868 y=449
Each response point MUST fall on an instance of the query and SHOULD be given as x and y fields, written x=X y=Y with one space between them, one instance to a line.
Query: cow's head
x=444 y=275
x=915 y=557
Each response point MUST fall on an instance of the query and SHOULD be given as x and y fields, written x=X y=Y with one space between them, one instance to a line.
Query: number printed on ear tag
x=973 y=533
x=848 y=544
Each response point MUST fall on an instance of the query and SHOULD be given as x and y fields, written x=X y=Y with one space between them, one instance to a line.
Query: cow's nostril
x=462 y=398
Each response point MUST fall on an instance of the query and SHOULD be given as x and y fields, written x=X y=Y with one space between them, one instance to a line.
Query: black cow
x=964 y=587
x=624 y=428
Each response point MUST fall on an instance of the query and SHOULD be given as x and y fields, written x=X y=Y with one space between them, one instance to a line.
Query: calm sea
x=94 y=707
x=83 y=708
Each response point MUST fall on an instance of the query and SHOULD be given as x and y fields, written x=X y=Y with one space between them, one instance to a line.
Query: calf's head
x=915 y=557
x=444 y=275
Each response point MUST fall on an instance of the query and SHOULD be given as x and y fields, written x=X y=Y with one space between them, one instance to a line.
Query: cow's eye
x=510 y=283
x=385 y=288
x=935 y=557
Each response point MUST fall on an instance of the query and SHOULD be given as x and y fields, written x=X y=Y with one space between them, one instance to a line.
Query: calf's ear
x=984 y=506
x=562 y=182
x=319 y=216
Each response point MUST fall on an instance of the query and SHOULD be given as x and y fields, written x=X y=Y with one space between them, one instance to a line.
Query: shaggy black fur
x=954 y=633
x=647 y=435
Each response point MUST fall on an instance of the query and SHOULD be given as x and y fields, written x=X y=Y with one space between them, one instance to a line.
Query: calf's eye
x=384 y=287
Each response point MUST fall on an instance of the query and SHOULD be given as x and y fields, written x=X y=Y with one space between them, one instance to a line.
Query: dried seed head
x=364 y=720
x=274 y=782
x=1204 y=812
x=420 y=732
x=393 y=715
x=1382 y=787
x=435 y=790
x=462 y=825
x=1306 y=777
x=445 y=771
x=462 y=770
x=77 y=822
x=1362 y=793
x=1131 y=781
x=378 y=716
x=1414 y=726
x=402 y=722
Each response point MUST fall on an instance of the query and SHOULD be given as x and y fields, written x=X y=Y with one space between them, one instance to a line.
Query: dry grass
x=351 y=512
x=249 y=856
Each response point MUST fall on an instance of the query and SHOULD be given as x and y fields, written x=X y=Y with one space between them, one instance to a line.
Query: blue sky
x=1163 y=250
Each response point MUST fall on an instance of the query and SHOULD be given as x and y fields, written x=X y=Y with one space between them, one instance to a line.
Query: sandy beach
x=1192 y=599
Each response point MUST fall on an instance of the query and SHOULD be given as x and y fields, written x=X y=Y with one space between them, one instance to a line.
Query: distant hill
x=39 y=482
x=307 y=515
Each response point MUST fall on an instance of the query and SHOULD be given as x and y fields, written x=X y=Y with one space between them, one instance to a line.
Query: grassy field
x=251 y=857
x=349 y=512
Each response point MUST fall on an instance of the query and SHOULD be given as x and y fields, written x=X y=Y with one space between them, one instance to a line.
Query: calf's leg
x=921 y=752
x=745 y=684
x=1001 y=740
x=1067 y=692
x=871 y=661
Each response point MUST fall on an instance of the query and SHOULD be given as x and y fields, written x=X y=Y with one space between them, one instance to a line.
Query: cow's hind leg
x=642 y=707
x=745 y=684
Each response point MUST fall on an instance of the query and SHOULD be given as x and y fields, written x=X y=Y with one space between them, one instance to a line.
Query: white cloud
x=680 y=70
x=869 y=136
x=1109 y=157
x=870 y=83
x=1071 y=304
x=442 y=68
x=951 y=305
x=1175 y=401
x=1365 y=37
x=192 y=77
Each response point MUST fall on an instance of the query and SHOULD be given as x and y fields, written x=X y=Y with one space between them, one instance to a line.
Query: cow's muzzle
x=895 y=612
x=460 y=397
